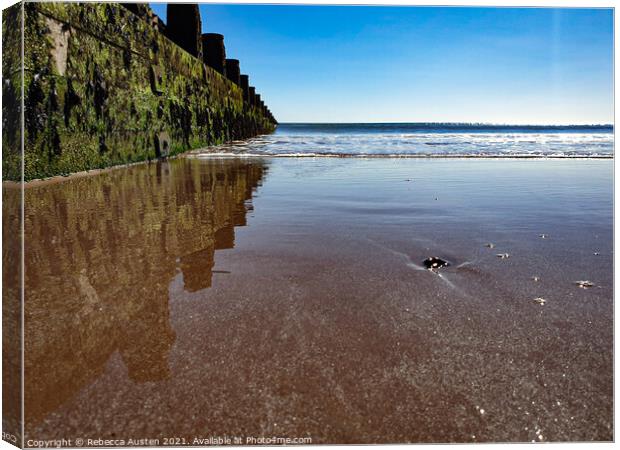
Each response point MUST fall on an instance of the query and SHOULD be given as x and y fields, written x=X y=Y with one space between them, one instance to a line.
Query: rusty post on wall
x=244 y=82
x=214 y=52
x=184 y=26
x=232 y=71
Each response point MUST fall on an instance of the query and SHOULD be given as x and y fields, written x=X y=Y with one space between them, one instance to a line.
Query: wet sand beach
x=284 y=297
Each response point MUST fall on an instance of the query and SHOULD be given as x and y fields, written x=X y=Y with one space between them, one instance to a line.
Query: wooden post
x=252 y=96
x=244 y=82
x=232 y=71
x=214 y=52
x=183 y=27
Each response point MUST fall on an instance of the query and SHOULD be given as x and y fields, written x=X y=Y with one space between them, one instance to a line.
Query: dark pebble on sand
x=435 y=263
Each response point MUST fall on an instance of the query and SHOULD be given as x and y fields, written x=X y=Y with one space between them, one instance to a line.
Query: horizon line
x=488 y=124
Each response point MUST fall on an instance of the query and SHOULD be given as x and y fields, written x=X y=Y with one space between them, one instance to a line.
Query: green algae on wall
x=11 y=92
x=103 y=87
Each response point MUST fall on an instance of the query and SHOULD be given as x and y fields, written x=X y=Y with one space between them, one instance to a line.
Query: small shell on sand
x=503 y=255
x=584 y=284
x=490 y=245
x=541 y=301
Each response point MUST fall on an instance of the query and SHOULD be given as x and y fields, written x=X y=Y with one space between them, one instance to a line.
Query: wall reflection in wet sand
x=100 y=254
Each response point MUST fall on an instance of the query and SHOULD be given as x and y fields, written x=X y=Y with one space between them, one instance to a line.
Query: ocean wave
x=214 y=154
x=531 y=144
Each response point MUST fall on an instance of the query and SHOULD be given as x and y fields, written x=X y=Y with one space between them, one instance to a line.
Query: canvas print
x=229 y=224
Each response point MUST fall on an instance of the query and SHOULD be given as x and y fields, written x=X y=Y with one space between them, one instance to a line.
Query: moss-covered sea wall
x=102 y=86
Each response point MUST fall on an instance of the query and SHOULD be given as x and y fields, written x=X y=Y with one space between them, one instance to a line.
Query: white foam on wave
x=461 y=145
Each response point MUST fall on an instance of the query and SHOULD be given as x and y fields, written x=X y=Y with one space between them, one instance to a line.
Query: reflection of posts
x=225 y=237
x=214 y=52
x=184 y=26
x=197 y=269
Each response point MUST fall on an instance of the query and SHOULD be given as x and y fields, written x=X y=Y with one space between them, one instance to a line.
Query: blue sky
x=422 y=64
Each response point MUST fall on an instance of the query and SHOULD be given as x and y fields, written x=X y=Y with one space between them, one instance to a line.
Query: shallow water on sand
x=255 y=297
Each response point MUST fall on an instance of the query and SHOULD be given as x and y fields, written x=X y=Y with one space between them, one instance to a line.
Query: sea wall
x=104 y=85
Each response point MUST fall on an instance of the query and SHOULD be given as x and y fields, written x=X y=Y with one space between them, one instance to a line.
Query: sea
x=427 y=140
